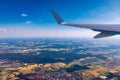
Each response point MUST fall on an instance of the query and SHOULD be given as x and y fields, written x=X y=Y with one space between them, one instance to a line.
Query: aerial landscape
x=59 y=59
x=33 y=46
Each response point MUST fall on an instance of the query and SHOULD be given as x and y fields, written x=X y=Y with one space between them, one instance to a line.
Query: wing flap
x=103 y=34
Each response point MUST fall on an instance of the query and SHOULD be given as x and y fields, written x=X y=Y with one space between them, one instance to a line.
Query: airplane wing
x=106 y=30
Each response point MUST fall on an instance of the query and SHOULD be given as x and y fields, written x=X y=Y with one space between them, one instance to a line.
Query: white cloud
x=28 y=22
x=3 y=30
x=24 y=15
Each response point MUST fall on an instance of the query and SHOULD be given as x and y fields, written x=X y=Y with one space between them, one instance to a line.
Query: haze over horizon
x=32 y=18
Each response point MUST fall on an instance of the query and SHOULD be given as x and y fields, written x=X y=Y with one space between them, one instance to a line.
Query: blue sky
x=32 y=18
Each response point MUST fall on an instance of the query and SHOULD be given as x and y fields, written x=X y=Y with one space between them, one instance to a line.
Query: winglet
x=57 y=17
